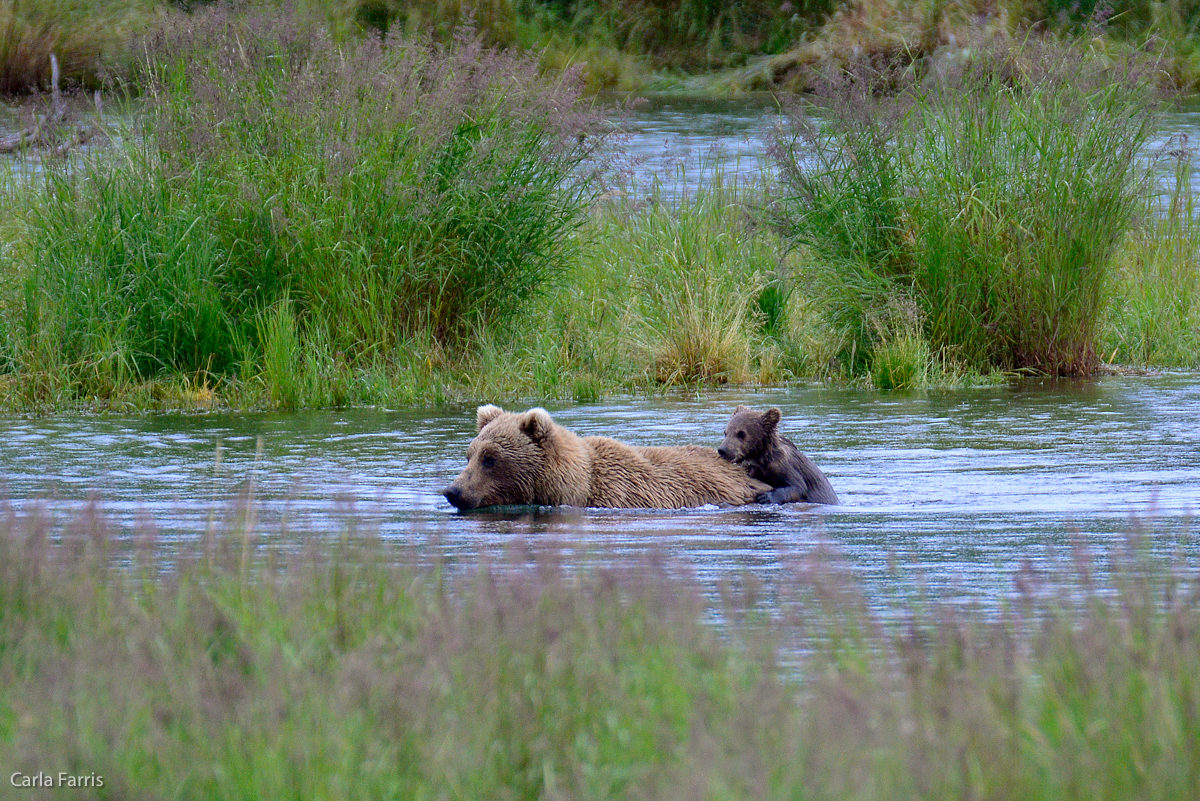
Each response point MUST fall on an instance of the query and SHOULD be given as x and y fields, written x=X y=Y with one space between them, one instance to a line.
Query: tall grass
x=694 y=289
x=1154 y=319
x=251 y=664
x=390 y=191
x=986 y=202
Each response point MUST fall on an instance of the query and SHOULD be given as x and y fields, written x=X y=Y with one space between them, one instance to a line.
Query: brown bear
x=752 y=439
x=527 y=458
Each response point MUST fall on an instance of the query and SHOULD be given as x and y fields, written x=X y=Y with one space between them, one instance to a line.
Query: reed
x=248 y=663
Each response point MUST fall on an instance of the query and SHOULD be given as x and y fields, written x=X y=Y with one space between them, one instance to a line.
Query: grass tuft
x=1154 y=319
x=372 y=193
x=992 y=197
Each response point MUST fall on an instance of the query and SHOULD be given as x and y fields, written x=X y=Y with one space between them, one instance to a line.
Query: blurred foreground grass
x=249 y=665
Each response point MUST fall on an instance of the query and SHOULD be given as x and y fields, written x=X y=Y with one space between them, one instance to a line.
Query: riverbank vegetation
x=297 y=217
x=245 y=663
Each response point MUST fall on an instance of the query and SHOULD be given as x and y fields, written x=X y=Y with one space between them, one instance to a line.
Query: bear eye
x=741 y=435
x=488 y=462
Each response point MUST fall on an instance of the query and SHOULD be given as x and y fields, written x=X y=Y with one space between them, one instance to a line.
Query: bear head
x=749 y=435
x=515 y=459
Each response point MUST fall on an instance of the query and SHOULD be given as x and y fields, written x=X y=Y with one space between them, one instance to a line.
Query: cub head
x=505 y=461
x=749 y=434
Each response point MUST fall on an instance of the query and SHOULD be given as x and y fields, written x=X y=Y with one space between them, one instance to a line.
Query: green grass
x=89 y=38
x=253 y=664
x=1154 y=318
x=314 y=220
x=982 y=208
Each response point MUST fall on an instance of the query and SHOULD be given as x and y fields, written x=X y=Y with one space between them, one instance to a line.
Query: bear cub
x=752 y=439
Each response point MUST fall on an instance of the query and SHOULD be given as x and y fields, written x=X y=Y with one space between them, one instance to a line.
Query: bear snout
x=455 y=496
x=723 y=452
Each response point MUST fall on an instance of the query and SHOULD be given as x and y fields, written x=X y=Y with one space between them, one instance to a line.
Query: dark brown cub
x=752 y=439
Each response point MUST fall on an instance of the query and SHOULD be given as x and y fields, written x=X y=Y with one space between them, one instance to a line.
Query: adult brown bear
x=527 y=458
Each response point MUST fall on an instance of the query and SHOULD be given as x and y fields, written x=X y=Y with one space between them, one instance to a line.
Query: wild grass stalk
x=988 y=201
x=251 y=663
x=694 y=273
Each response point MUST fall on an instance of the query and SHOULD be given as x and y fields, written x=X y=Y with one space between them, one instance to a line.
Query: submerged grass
x=250 y=664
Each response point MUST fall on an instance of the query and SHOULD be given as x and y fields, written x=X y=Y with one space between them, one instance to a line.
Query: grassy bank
x=658 y=295
x=287 y=207
x=249 y=664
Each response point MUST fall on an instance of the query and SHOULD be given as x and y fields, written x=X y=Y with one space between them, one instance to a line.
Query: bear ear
x=485 y=415
x=770 y=418
x=741 y=409
x=536 y=424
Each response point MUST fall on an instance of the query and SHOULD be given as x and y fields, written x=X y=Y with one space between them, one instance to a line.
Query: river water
x=953 y=490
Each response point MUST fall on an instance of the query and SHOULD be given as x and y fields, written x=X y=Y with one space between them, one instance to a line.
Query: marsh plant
x=247 y=663
x=991 y=196
x=388 y=190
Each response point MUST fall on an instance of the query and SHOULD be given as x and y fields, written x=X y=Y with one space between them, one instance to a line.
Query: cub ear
x=536 y=424
x=770 y=418
x=485 y=415
x=741 y=409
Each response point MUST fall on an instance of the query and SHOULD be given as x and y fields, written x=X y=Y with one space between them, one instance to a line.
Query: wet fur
x=752 y=439
x=527 y=458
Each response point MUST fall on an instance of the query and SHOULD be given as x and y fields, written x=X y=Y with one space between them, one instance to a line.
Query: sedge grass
x=249 y=664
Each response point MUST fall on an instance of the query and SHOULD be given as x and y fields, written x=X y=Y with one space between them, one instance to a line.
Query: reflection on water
x=956 y=487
